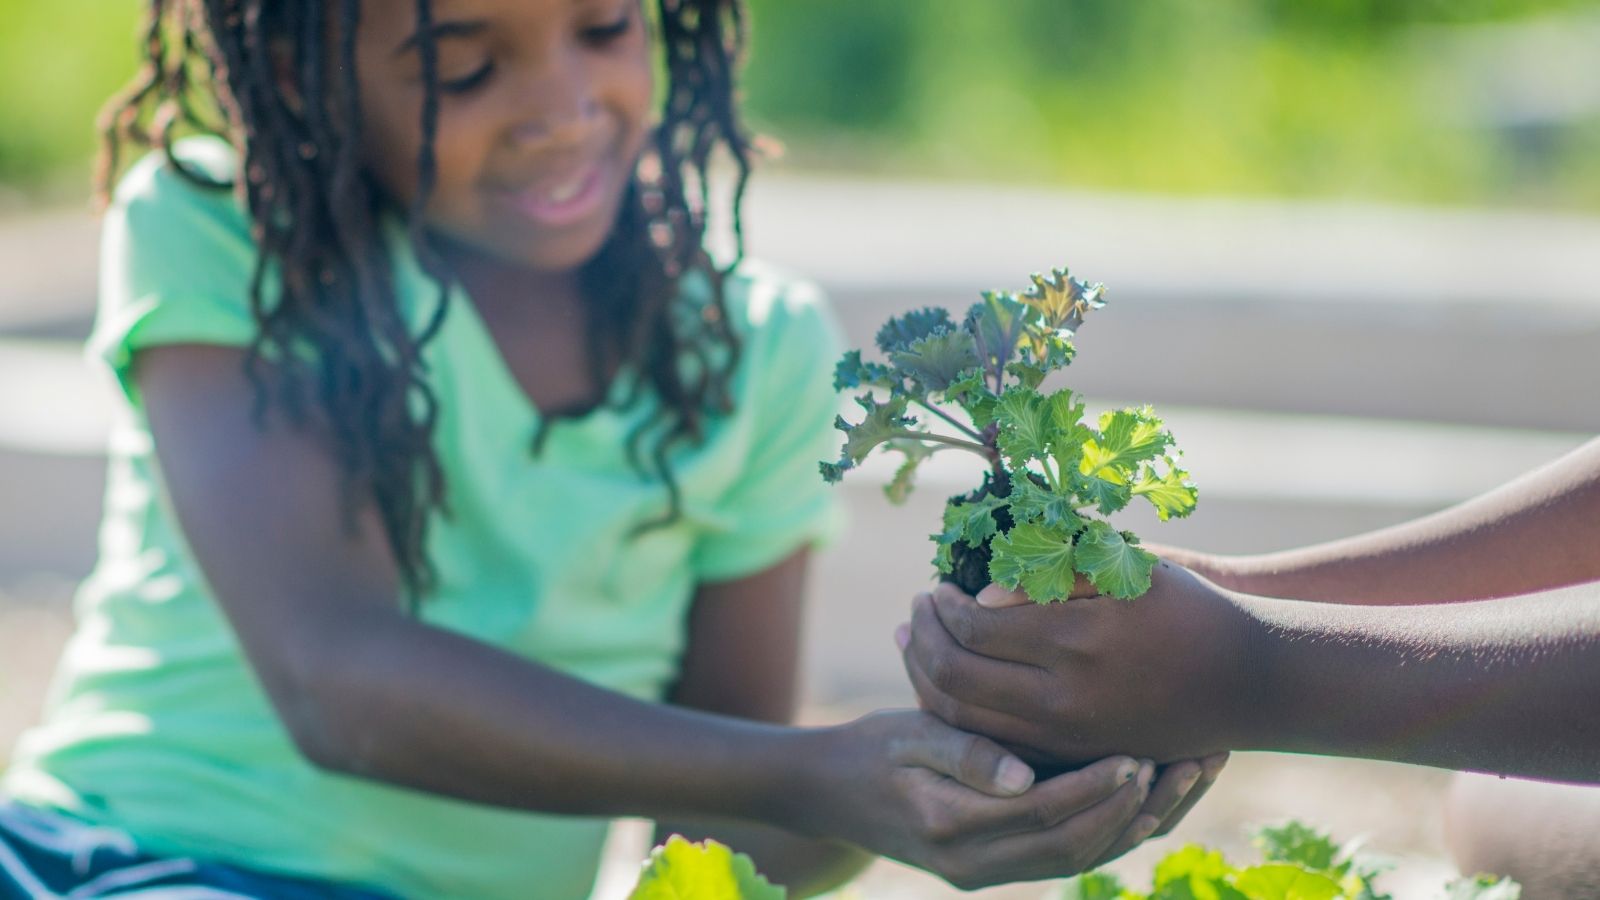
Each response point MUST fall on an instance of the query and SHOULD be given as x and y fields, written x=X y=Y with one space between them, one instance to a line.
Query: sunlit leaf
x=1115 y=566
x=681 y=870
x=1172 y=494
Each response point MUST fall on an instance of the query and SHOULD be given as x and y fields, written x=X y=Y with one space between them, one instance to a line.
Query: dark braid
x=323 y=294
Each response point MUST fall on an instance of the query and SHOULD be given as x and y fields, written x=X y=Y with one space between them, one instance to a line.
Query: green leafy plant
x=684 y=870
x=1299 y=863
x=1037 y=521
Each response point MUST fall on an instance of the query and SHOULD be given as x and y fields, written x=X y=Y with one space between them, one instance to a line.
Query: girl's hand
x=1164 y=676
x=905 y=785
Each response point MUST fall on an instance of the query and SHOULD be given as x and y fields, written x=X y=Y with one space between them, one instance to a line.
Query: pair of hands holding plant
x=988 y=674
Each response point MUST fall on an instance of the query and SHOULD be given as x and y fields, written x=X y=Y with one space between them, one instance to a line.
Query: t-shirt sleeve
x=176 y=263
x=779 y=503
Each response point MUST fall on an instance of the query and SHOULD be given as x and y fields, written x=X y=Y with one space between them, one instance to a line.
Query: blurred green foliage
x=1295 y=97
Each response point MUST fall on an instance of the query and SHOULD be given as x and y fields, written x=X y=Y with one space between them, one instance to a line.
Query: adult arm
x=1190 y=668
x=1538 y=532
x=365 y=689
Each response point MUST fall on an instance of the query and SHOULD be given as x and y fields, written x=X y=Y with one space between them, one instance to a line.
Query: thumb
x=974 y=761
x=997 y=596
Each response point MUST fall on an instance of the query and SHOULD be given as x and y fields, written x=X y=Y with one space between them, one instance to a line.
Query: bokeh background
x=1353 y=248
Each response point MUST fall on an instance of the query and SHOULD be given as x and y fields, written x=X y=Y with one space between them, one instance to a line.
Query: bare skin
x=1517 y=653
x=368 y=690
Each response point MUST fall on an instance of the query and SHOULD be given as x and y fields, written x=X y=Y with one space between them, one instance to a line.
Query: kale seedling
x=1035 y=522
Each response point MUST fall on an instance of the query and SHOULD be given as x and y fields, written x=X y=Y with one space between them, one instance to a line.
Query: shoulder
x=160 y=194
x=772 y=307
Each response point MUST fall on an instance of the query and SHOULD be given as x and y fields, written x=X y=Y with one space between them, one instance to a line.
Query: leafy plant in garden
x=1037 y=521
x=1300 y=863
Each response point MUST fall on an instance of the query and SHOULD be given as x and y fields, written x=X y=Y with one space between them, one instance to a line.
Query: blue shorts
x=46 y=856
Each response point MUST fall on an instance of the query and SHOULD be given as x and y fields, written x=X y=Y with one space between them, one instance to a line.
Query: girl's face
x=544 y=108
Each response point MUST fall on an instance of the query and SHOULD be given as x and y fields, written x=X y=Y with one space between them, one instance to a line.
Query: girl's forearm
x=387 y=698
x=1506 y=686
x=1536 y=533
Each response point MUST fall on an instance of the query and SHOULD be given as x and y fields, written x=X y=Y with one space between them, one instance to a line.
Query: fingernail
x=1147 y=771
x=1127 y=770
x=1014 y=775
x=902 y=636
x=1212 y=765
x=1144 y=826
x=1189 y=781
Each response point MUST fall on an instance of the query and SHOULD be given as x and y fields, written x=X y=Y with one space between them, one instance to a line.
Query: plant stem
x=954 y=422
x=1050 y=476
x=986 y=452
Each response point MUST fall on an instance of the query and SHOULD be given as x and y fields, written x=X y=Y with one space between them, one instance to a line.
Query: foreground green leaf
x=681 y=870
x=1286 y=881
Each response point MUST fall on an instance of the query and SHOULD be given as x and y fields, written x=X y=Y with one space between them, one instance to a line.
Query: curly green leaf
x=1037 y=558
x=681 y=870
x=1062 y=300
x=1115 y=566
x=1172 y=494
x=853 y=373
x=1127 y=438
x=901 y=331
x=998 y=322
x=938 y=360
x=1032 y=503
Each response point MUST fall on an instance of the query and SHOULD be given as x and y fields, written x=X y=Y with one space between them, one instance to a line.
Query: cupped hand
x=905 y=785
x=1163 y=677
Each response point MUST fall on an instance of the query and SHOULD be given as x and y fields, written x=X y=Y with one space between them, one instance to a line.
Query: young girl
x=445 y=454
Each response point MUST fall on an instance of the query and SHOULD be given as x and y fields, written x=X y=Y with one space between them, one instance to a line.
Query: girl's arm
x=742 y=660
x=366 y=689
x=1538 y=532
x=1507 y=686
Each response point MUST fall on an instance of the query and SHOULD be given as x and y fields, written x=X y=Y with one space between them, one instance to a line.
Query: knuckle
x=973 y=756
x=942 y=671
x=1043 y=815
x=962 y=627
x=938 y=826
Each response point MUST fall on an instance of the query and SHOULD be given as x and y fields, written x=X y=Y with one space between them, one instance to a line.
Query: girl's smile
x=565 y=200
x=544 y=109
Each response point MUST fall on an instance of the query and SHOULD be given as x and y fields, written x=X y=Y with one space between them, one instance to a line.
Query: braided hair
x=208 y=66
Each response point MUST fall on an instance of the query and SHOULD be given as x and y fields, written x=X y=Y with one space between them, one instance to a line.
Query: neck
x=499 y=285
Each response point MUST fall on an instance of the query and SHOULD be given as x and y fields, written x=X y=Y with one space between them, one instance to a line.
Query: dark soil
x=970 y=571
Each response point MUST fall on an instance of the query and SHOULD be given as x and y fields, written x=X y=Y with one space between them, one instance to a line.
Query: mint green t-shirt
x=156 y=723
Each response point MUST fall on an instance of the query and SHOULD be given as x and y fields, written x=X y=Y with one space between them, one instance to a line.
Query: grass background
x=1391 y=99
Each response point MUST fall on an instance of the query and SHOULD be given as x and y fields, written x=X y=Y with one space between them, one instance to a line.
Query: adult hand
x=905 y=785
x=1163 y=677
